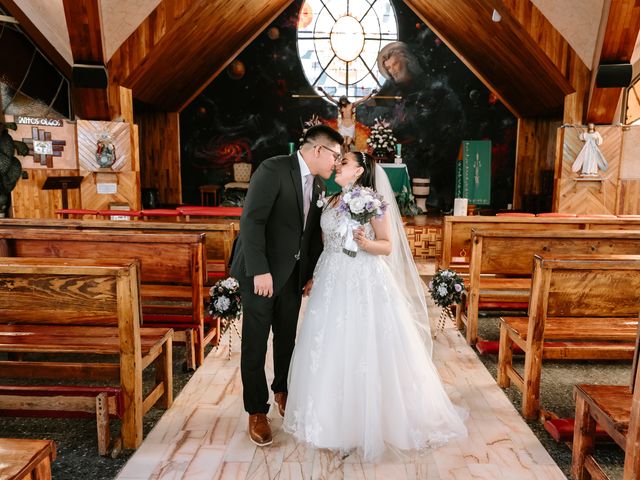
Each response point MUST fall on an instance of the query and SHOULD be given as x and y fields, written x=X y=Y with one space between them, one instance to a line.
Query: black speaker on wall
x=89 y=76
x=614 y=75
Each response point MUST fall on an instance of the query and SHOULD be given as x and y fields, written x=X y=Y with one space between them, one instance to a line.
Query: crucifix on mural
x=43 y=148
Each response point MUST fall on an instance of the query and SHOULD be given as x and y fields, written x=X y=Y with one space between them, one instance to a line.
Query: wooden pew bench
x=25 y=459
x=509 y=254
x=615 y=409
x=581 y=308
x=171 y=266
x=456 y=232
x=85 y=308
x=219 y=234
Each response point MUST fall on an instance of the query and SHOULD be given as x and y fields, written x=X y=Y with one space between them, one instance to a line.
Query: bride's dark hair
x=368 y=177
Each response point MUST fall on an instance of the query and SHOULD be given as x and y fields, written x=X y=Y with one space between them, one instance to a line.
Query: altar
x=397 y=173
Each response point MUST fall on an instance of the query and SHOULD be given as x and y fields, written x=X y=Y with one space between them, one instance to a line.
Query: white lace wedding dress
x=360 y=374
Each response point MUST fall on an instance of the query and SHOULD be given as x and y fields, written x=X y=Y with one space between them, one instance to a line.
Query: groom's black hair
x=318 y=132
x=368 y=178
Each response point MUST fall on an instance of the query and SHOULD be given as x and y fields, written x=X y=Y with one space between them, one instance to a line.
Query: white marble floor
x=203 y=436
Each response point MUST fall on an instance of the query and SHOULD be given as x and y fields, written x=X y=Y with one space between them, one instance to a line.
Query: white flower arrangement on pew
x=361 y=204
x=225 y=303
x=446 y=288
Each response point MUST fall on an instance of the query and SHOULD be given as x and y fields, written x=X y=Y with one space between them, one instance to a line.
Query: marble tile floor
x=203 y=436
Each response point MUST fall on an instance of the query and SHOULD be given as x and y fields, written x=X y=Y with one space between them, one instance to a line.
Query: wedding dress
x=361 y=375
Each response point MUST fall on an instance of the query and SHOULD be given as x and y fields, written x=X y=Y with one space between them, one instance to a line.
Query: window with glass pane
x=339 y=41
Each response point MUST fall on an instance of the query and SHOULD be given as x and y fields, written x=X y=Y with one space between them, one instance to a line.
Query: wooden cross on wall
x=42 y=148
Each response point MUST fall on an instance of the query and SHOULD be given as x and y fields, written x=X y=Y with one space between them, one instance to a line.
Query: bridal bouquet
x=446 y=288
x=225 y=303
x=361 y=204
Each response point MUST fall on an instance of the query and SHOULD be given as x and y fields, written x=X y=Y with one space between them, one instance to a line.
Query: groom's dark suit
x=274 y=240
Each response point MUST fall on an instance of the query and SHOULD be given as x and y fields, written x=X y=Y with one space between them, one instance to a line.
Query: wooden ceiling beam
x=36 y=36
x=182 y=46
x=503 y=55
x=84 y=24
x=620 y=35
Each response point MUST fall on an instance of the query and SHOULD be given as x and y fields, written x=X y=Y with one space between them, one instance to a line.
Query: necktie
x=306 y=194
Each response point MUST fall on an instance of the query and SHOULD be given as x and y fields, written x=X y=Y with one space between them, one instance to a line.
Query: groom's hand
x=263 y=285
x=306 y=290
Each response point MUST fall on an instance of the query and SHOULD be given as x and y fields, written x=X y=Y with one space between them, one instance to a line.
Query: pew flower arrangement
x=446 y=288
x=225 y=303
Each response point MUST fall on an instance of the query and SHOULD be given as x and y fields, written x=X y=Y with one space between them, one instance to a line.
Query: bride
x=361 y=375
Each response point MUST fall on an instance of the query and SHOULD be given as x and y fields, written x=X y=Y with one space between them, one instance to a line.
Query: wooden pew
x=25 y=459
x=220 y=234
x=60 y=306
x=581 y=307
x=456 y=231
x=616 y=409
x=509 y=254
x=171 y=269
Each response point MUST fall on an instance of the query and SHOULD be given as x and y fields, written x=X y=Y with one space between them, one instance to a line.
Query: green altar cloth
x=397 y=173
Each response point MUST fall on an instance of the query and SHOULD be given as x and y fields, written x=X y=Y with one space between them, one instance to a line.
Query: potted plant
x=10 y=166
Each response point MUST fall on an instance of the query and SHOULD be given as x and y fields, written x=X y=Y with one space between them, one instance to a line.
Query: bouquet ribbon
x=346 y=231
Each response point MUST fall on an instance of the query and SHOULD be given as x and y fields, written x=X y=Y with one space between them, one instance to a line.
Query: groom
x=275 y=255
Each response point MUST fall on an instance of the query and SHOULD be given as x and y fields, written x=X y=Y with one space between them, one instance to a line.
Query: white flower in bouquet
x=359 y=204
x=222 y=304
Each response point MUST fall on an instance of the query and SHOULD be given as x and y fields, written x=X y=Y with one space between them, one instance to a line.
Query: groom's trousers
x=260 y=315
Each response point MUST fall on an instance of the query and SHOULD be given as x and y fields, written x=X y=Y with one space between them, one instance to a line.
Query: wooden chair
x=25 y=459
x=581 y=307
x=241 y=176
x=616 y=409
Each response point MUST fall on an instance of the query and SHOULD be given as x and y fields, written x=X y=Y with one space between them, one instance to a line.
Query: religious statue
x=347 y=116
x=590 y=158
x=105 y=151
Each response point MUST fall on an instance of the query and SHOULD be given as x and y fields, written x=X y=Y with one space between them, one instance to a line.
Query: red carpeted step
x=561 y=429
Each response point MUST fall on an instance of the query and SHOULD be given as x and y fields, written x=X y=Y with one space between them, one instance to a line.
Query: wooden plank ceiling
x=621 y=32
x=502 y=54
x=183 y=45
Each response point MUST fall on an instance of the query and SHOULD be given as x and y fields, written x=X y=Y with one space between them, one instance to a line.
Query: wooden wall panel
x=160 y=154
x=128 y=187
x=535 y=153
x=629 y=199
x=28 y=200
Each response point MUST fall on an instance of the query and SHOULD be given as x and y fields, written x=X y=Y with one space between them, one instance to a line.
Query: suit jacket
x=272 y=237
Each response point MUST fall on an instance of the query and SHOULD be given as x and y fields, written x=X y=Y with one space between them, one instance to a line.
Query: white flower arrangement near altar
x=381 y=139
x=314 y=120
x=226 y=304
x=361 y=204
x=446 y=288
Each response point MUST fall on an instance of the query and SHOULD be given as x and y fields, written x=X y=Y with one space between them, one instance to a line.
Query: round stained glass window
x=339 y=42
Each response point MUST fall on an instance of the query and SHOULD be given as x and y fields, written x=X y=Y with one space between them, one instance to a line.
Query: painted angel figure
x=590 y=157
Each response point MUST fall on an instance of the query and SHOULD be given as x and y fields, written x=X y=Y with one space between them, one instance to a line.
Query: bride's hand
x=306 y=290
x=359 y=237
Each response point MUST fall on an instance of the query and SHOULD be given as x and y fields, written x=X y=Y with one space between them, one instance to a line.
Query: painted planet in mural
x=273 y=33
x=236 y=70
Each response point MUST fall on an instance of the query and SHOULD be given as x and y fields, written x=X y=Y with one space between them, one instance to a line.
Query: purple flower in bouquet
x=359 y=204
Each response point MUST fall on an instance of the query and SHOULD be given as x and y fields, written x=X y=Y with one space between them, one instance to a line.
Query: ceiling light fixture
x=495 y=16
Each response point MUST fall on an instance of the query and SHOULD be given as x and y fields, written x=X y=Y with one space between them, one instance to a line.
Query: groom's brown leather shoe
x=259 y=430
x=281 y=401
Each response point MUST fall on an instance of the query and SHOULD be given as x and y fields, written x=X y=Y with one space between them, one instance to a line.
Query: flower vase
x=381 y=155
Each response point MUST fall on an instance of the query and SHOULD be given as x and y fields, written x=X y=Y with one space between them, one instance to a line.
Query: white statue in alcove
x=590 y=158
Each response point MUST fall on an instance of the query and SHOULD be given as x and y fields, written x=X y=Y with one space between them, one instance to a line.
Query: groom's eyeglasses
x=337 y=157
